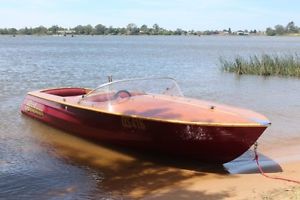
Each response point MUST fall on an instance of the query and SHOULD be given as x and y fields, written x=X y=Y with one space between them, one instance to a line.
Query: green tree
x=53 y=29
x=178 y=31
x=132 y=29
x=122 y=31
x=88 y=29
x=12 y=31
x=4 y=31
x=112 y=31
x=291 y=28
x=270 y=32
x=26 y=31
x=41 y=30
x=191 y=32
x=144 y=29
x=156 y=29
x=279 y=29
x=100 y=29
x=79 y=30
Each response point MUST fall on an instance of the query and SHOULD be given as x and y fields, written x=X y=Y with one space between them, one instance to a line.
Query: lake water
x=37 y=160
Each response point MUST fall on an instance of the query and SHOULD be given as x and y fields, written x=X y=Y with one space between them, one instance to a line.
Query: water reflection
x=28 y=170
x=121 y=171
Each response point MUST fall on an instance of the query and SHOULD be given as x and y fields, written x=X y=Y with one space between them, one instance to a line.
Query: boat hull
x=207 y=143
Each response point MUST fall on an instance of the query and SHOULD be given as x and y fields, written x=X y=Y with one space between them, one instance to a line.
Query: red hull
x=214 y=144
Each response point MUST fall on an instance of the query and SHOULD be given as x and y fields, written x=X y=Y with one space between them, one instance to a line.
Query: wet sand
x=136 y=175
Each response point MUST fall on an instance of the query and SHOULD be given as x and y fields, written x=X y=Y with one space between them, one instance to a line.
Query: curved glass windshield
x=133 y=87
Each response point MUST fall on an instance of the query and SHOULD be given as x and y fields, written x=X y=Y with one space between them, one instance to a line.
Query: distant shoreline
x=132 y=29
x=290 y=30
x=82 y=35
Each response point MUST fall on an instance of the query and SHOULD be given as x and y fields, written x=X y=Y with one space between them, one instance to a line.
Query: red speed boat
x=149 y=114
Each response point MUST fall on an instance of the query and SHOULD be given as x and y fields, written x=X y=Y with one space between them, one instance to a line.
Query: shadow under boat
x=245 y=164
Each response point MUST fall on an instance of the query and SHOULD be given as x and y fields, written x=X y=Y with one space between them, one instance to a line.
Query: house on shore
x=242 y=32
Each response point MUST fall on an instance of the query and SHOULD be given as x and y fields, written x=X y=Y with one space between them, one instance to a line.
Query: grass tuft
x=264 y=65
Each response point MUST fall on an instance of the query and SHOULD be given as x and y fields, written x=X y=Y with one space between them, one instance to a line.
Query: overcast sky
x=170 y=14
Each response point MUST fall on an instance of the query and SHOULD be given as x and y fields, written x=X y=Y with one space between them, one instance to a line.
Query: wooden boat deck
x=177 y=108
x=166 y=108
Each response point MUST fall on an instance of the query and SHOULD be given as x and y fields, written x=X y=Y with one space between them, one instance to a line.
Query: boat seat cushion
x=65 y=92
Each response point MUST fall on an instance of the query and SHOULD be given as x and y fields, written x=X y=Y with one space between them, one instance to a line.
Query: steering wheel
x=122 y=94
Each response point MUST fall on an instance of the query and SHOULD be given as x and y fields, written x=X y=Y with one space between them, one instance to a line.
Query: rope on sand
x=264 y=174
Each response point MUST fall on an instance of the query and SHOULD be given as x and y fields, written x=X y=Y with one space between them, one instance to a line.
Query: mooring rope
x=264 y=174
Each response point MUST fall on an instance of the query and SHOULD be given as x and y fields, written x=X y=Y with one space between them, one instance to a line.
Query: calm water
x=37 y=160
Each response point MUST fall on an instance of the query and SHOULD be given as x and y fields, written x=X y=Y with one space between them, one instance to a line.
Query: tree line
x=130 y=29
x=290 y=28
x=133 y=29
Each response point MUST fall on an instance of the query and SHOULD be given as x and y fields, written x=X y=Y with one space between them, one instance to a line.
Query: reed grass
x=264 y=65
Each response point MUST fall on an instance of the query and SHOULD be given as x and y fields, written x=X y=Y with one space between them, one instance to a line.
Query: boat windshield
x=133 y=87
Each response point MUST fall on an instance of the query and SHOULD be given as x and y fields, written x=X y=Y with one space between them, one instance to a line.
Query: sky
x=169 y=14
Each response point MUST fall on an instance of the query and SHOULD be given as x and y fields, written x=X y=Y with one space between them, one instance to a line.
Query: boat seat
x=65 y=92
